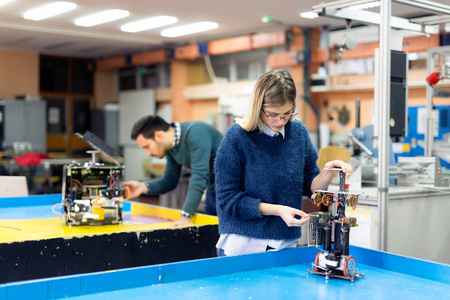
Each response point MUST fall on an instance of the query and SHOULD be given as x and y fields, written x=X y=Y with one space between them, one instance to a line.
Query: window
x=82 y=77
x=53 y=74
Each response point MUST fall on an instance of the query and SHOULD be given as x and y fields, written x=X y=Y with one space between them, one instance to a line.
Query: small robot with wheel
x=334 y=259
x=93 y=192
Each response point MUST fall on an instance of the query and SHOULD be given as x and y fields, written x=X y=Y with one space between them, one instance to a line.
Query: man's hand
x=182 y=221
x=136 y=188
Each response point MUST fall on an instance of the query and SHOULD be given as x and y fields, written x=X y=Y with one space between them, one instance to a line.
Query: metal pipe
x=358 y=112
x=427 y=5
x=341 y=4
x=383 y=119
x=317 y=112
x=306 y=87
x=429 y=134
x=354 y=139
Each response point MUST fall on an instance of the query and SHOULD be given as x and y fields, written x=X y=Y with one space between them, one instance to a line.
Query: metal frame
x=429 y=133
x=338 y=9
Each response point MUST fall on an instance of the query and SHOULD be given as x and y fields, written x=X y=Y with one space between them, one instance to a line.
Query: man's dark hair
x=147 y=126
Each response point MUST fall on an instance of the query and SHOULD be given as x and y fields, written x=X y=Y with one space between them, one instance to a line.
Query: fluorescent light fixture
x=366 y=5
x=102 y=17
x=413 y=56
x=3 y=2
x=49 y=10
x=149 y=23
x=189 y=29
x=309 y=15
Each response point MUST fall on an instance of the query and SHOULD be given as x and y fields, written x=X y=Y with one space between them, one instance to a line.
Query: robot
x=333 y=261
x=92 y=192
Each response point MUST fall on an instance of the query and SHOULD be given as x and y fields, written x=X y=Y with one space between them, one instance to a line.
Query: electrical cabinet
x=24 y=121
x=399 y=94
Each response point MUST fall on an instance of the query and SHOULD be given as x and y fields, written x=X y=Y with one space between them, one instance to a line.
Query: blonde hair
x=273 y=88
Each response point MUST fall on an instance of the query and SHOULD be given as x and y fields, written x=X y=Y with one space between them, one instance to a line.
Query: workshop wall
x=19 y=74
x=105 y=87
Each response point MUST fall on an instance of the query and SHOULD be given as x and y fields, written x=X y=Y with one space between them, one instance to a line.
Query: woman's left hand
x=346 y=168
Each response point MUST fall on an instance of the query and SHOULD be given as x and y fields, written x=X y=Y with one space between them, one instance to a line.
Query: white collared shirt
x=270 y=132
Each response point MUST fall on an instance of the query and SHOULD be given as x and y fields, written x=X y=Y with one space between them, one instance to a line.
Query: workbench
x=36 y=243
x=417 y=221
x=270 y=275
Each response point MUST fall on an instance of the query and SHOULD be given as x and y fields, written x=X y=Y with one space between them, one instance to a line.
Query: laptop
x=13 y=186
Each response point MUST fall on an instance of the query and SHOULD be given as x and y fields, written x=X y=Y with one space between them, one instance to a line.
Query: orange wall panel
x=105 y=87
x=420 y=43
x=147 y=58
x=181 y=107
x=283 y=60
x=111 y=63
x=190 y=52
x=19 y=74
x=263 y=40
x=337 y=101
x=236 y=44
x=202 y=108
x=361 y=50
x=320 y=55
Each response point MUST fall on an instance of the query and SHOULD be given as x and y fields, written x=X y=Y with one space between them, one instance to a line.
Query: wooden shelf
x=215 y=90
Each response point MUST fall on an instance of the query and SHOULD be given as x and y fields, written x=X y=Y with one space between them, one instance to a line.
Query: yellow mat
x=38 y=229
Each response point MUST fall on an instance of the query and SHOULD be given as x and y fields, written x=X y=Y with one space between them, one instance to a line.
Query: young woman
x=264 y=165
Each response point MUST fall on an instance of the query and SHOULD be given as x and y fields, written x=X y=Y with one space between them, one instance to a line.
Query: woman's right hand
x=136 y=188
x=289 y=215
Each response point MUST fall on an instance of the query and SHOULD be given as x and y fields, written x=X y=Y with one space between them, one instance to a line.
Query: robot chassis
x=336 y=261
x=92 y=193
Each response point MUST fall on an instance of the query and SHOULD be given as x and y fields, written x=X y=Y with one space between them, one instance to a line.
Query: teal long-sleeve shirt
x=196 y=151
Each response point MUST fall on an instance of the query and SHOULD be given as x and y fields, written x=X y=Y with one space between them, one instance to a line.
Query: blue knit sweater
x=252 y=167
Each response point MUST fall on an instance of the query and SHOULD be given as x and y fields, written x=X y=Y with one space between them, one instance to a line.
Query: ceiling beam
x=428 y=5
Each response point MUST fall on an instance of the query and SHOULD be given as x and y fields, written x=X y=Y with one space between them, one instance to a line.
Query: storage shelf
x=370 y=87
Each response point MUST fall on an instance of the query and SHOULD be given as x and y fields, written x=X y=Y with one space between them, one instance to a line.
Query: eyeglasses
x=277 y=117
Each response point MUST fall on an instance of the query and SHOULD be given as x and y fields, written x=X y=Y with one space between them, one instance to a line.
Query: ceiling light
x=49 y=10
x=309 y=15
x=149 y=23
x=365 y=5
x=102 y=17
x=3 y=2
x=189 y=29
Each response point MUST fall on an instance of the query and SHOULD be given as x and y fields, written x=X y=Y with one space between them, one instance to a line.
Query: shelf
x=370 y=87
x=215 y=90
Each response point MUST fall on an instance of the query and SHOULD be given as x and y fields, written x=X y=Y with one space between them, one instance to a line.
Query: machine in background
x=415 y=141
x=92 y=192
x=333 y=261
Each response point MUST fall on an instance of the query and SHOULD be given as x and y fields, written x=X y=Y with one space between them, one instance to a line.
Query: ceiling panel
x=58 y=35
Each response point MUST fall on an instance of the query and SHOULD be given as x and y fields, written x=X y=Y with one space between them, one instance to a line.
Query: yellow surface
x=39 y=229
x=151 y=210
